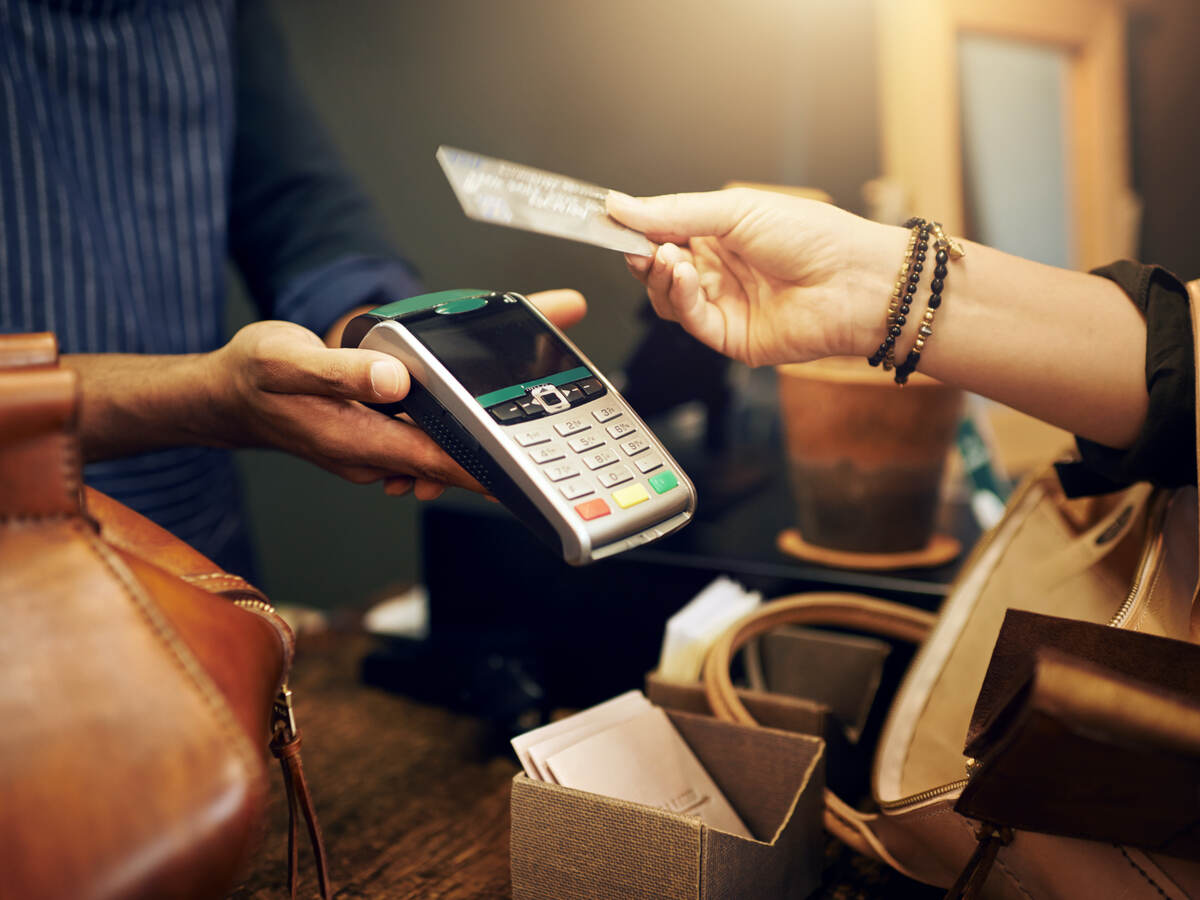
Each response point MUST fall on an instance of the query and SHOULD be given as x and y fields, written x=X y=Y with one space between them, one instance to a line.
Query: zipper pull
x=283 y=716
x=285 y=744
x=970 y=882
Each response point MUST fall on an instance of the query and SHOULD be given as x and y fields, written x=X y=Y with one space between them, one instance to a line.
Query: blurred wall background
x=644 y=97
x=1165 y=115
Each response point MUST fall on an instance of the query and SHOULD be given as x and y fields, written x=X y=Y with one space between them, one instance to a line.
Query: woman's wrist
x=876 y=256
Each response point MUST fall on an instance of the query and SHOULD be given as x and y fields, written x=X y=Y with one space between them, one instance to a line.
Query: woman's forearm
x=1064 y=346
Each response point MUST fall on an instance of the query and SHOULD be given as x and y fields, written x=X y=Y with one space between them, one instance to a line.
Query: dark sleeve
x=302 y=232
x=1164 y=453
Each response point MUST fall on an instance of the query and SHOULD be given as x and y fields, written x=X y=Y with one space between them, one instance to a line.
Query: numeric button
x=546 y=454
x=585 y=442
x=528 y=437
x=599 y=458
x=573 y=490
x=614 y=476
x=648 y=463
x=606 y=412
x=561 y=471
x=634 y=446
x=572 y=426
x=619 y=430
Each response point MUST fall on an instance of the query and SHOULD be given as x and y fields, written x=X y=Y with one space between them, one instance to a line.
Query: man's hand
x=281 y=386
x=277 y=385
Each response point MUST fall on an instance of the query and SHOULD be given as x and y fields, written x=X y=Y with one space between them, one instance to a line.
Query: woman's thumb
x=676 y=217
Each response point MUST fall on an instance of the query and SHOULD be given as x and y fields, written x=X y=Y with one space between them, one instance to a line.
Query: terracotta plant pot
x=865 y=457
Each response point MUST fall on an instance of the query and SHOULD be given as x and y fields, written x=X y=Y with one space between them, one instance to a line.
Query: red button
x=593 y=509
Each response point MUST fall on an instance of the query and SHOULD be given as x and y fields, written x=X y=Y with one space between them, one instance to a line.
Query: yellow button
x=630 y=496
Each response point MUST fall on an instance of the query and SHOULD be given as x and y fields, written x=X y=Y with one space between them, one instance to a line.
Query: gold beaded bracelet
x=945 y=249
x=903 y=292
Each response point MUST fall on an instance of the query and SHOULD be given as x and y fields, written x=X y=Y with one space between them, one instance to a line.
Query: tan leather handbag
x=1127 y=560
x=138 y=682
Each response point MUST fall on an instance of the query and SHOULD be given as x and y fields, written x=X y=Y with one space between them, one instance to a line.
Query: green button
x=663 y=481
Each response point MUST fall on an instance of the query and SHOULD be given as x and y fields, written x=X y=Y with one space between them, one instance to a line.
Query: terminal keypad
x=596 y=456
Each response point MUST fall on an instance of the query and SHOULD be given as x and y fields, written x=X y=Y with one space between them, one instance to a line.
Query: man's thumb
x=388 y=379
x=352 y=374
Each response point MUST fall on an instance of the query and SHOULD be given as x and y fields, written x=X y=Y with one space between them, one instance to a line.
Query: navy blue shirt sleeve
x=342 y=284
x=305 y=237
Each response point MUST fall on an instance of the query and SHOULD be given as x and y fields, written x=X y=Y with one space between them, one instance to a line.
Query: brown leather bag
x=138 y=682
x=1126 y=564
x=1088 y=731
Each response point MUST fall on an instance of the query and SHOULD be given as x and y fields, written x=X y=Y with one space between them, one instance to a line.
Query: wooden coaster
x=940 y=550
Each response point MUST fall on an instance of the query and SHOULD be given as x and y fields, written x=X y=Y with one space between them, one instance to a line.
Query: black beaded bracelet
x=905 y=288
x=945 y=249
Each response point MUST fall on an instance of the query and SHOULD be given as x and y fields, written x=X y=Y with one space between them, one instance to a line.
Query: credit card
x=507 y=193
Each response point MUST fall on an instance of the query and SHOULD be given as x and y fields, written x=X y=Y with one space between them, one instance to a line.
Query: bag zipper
x=924 y=796
x=284 y=742
x=283 y=717
x=1150 y=561
x=1147 y=568
x=977 y=552
x=268 y=612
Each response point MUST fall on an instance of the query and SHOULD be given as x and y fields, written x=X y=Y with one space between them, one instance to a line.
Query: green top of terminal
x=459 y=300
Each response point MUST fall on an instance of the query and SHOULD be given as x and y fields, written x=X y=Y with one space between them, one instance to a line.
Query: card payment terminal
x=518 y=406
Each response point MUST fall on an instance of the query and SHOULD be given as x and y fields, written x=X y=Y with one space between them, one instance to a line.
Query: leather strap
x=971 y=880
x=286 y=747
x=40 y=470
x=1193 y=289
x=855 y=611
x=39 y=456
x=28 y=351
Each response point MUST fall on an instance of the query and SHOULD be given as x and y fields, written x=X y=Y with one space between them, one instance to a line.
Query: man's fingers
x=563 y=307
x=364 y=375
x=361 y=438
x=677 y=217
x=428 y=490
x=397 y=485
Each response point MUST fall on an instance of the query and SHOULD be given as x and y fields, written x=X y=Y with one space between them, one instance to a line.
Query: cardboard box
x=769 y=709
x=814 y=682
x=572 y=844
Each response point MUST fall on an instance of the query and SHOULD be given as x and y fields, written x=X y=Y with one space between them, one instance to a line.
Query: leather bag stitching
x=213 y=575
x=1146 y=875
x=186 y=662
x=33 y=520
x=69 y=459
